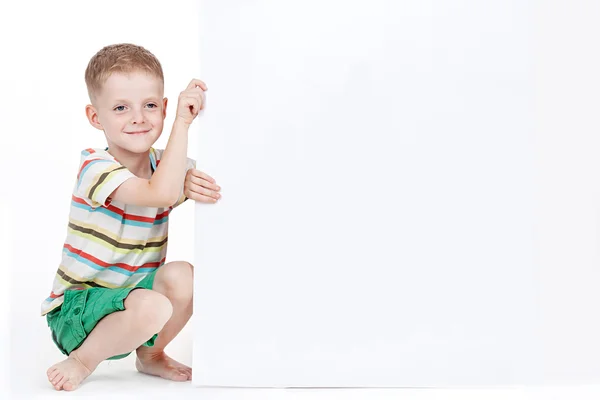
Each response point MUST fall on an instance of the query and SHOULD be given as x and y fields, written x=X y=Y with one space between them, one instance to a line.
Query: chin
x=136 y=148
x=139 y=144
x=139 y=149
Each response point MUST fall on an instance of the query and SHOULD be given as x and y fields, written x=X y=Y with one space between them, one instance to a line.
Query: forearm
x=170 y=173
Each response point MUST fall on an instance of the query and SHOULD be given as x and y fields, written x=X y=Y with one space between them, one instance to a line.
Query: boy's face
x=130 y=109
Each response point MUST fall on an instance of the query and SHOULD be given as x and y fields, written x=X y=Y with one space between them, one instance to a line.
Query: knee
x=149 y=308
x=176 y=280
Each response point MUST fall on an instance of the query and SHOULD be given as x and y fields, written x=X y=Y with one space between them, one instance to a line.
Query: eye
x=119 y=108
x=152 y=104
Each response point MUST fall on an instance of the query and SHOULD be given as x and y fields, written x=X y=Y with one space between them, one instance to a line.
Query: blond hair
x=119 y=58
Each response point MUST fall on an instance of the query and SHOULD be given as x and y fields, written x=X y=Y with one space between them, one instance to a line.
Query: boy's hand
x=200 y=187
x=191 y=101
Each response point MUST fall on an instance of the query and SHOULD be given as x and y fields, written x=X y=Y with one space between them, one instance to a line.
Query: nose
x=137 y=117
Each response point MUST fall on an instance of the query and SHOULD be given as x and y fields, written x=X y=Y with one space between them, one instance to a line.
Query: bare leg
x=175 y=281
x=146 y=312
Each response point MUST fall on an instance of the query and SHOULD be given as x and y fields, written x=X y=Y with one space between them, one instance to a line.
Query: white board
x=379 y=220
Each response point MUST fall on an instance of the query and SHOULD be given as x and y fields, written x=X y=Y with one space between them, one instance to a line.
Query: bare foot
x=160 y=364
x=68 y=374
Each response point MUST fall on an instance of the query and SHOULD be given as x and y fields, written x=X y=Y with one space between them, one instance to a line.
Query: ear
x=92 y=116
x=165 y=100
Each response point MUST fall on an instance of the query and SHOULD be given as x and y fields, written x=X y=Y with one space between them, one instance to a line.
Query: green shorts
x=81 y=310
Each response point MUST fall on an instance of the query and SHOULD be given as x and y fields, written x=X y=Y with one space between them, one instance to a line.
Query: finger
x=199 y=197
x=195 y=195
x=197 y=82
x=202 y=190
x=190 y=95
x=198 y=94
x=200 y=174
x=194 y=103
x=204 y=183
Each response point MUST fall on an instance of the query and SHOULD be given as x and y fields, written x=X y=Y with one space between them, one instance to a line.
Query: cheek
x=113 y=123
x=156 y=119
x=117 y=124
x=108 y=119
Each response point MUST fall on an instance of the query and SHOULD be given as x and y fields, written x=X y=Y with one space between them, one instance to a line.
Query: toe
x=60 y=383
x=185 y=372
x=52 y=374
x=182 y=377
x=178 y=376
x=55 y=377
x=69 y=386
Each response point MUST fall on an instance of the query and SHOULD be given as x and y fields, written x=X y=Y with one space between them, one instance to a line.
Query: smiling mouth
x=137 y=132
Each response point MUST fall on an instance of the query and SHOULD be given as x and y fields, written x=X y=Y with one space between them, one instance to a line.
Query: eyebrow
x=144 y=101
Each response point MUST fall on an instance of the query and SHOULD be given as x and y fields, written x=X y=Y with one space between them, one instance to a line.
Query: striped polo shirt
x=109 y=244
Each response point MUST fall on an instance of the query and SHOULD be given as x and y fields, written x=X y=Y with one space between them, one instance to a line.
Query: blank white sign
x=380 y=178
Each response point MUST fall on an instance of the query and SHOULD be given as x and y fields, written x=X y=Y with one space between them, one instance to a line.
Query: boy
x=113 y=292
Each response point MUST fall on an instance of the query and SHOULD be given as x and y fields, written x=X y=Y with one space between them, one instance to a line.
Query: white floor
x=119 y=380
x=32 y=352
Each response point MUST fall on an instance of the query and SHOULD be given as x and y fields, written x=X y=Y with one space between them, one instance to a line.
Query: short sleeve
x=99 y=175
x=191 y=164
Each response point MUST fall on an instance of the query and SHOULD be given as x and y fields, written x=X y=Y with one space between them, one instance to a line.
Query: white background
x=46 y=48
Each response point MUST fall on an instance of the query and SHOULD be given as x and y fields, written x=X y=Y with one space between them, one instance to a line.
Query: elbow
x=163 y=197
x=170 y=199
